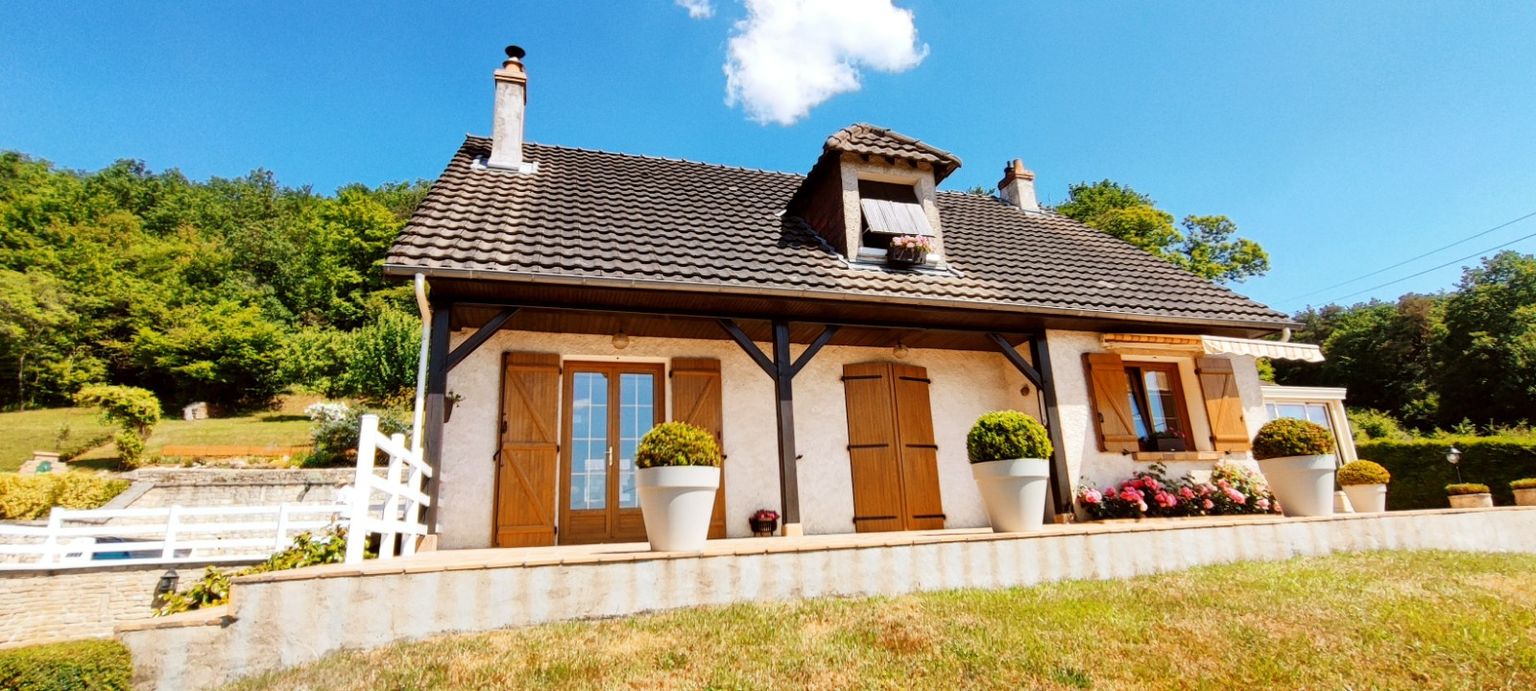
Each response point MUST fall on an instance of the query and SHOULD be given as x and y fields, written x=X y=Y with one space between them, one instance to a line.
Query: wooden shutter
x=527 y=465
x=917 y=450
x=1111 y=403
x=696 y=401
x=891 y=451
x=1223 y=405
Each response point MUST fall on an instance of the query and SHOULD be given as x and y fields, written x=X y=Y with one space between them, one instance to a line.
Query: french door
x=608 y=407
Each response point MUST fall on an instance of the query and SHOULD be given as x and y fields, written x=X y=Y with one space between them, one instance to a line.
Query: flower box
x=908 y=251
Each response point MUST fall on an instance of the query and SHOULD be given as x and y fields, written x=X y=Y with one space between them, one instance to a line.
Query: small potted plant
x=764 y=523
x=1008 y=452
x=678 y=474
x=1296 y=457
x=1525 y=491
x=1169 y=440
x=1469 y=495
x=449 y=401
x=1365 y=483
x=908 y=251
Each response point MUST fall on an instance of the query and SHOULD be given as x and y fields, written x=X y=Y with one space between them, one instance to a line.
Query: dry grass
x=1379 y=620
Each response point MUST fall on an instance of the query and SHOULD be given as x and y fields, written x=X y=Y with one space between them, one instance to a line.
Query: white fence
x=170 y=535
x=400 y=514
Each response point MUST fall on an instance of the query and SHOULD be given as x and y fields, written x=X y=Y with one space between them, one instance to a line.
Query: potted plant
x=1525 y=491
x=449 y=401
x=1008 y=452
x=1169 y=440
x=1296 y=457
x=1469 y=495
x=764 y=523
x=679 y=472
x=908 y=250
x=1365 y=483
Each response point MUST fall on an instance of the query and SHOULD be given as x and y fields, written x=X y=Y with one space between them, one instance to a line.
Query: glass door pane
x=589 y=441
x=637 y=414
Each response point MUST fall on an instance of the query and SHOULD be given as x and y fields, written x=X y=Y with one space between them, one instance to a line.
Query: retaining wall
x=288 y=618
x=67 y=604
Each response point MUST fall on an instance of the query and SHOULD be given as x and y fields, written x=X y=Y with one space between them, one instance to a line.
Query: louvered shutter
x=696 y=401
x=872 y=448
x=1111 y=403
x=917 y=450
x=528 y=460
x=1223 y=404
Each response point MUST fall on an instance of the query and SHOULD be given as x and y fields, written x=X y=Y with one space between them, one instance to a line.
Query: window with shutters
x=1155 y=395
x=1140 y=408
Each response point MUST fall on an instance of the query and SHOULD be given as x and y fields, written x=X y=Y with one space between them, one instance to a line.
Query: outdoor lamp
x=166 y=586
x=1453 y=457
x=900 y=351
x=620 y=340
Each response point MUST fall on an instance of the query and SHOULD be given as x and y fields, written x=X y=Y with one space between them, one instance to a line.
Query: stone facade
x=230 y=487
x=42 y=606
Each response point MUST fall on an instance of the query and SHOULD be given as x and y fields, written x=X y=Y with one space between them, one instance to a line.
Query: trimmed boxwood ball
x=1466 y=488
x=1363 y=472
x=1524 y=483
x=1291 y=437
x=1007 y=434
x=677 y=443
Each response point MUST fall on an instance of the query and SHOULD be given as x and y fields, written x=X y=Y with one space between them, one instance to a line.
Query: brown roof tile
x=869 y=140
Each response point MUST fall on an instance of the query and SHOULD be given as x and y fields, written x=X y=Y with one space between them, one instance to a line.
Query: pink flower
x=1208 y=505
x=1236 y=497
x=1262 y=503
x=1166 y=500
x=1153 y=485
x=1092 y=496
x=1186 y=492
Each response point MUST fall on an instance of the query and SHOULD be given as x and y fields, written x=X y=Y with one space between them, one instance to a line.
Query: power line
x=1435 y=268
x=1410 y=260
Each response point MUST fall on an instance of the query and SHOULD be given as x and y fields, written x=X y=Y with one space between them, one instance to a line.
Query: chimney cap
x=516 y=52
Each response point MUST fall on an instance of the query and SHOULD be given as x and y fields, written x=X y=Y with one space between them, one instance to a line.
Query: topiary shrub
x=94 y=665
x=1291 y=437
x=1363 y=473
x=1466 y=488
x=1524 y=483
x=677 y=443
x=1007 y=434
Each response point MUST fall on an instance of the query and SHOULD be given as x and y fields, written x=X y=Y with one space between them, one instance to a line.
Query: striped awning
x=1214 y=345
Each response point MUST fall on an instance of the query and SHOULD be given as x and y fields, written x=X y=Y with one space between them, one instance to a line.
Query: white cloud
x=697 y=9
x=788 y=56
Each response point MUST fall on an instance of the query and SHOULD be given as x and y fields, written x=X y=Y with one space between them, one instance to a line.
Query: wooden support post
x=783 y=389
x=1061 y=482
x=479 y=337
x=437 y=389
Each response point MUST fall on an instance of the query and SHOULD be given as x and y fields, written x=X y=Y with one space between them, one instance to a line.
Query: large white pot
x=1303 y=484
x=1367 y=498
x=1014 y=492
x=676 y=502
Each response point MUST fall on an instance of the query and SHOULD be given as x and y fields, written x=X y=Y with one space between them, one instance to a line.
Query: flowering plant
x=765 y=515
x=1232 y=489
x=921 y=243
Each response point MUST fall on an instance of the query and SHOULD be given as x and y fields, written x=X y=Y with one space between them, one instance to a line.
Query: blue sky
x=1343 y=136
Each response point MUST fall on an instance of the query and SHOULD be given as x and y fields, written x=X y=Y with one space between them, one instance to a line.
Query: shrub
x=24 y=497
x=1232 y=489
x=1420 y=473
x=82 y=490
x=1369 y=423
x=1007 y=434
x=381 y=367
x=1460 y=488
x=1363 y=473
x=212 y=589
x=677 y=443
x=1291 y=437
x=334 y=432
x=129 y=407
x=72 y=666
x=27 y=497
x=1524 y=483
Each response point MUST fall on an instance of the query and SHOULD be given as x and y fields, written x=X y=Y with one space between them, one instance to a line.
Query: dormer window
x=890 y=210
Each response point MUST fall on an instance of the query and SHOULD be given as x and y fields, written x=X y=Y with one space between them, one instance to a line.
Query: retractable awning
x=1214 y=345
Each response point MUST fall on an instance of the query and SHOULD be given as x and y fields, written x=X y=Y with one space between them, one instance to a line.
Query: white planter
x=1525 y=497
x=1014 y=492
x=1303 y=484
x=1472 y=501
x=676 y=502
x=1341 y=503
x=1367 y=498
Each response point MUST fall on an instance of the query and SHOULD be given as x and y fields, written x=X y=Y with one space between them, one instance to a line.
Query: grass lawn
x=54 y=429
x=1376 y=620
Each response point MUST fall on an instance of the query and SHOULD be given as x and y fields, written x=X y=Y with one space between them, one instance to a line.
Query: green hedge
x=1420 y=473
x=71 y=666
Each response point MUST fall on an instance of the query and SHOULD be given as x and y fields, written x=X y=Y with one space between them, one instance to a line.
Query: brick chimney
x=507 y=120
x=1018 y=186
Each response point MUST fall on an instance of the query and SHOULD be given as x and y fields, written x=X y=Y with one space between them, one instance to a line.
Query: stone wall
x=67 y=604
x=226 y=487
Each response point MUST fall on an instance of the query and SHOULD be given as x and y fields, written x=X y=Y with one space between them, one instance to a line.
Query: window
x=1314 y=412
x=1156 y=398
x=889 y=210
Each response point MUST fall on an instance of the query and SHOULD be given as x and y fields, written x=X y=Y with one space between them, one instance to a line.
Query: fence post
x=357 y=524
x=412 y=507
x=172 y=521
x=51 y=543
x=392 y=504
x=282 y=528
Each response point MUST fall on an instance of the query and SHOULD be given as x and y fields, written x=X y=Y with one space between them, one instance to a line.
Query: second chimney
x=507 y=119
x=1018 y=186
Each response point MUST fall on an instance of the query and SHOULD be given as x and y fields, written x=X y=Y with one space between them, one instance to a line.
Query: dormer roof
x=870 y=140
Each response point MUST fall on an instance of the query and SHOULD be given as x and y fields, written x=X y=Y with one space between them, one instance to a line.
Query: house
x=578 y=297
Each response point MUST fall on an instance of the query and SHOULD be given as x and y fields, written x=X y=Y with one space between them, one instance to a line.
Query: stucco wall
x=965 y=384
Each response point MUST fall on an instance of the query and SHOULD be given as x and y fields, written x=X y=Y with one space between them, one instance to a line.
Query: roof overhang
x=1213 y=345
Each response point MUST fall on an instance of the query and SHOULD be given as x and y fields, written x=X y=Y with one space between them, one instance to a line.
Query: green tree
x=1208 y=246
x=34 y=314
x=228 y=353
x=1489 y=346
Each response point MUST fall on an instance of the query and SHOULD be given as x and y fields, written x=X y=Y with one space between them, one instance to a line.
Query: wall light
x=900 y=351
x=620 y=340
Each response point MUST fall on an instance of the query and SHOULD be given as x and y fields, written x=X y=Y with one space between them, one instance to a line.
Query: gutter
x=419 y=415
x=654 y=284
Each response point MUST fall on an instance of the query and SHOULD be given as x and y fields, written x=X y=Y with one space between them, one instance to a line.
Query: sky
x=1344 y=137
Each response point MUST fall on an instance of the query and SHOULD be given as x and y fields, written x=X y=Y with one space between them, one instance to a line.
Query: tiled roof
x=863 y=138
x=595 y=215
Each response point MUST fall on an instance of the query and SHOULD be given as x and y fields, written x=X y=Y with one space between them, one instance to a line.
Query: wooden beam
x=783 y=387
x=810 y=351
x=1061 y=482
x=437 y=388
x=479 y=338
x=746 y=344
x=1018 y=360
